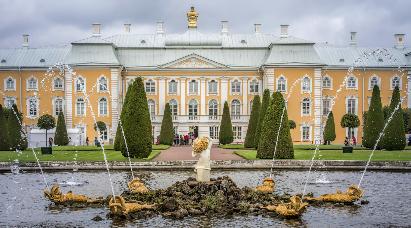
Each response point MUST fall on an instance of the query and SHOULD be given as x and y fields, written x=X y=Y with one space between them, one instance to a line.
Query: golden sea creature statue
x=137 y=186
x=57 y=196
x=352 y=194
x=267 y=186
x=192 y=16
x=293 y=209
x=118 y=206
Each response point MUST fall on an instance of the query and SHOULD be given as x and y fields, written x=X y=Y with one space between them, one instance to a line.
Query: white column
x=202 y=96
x=161 y=95
x=317 y=105
x=245 y=95
x=408 y=88
x=224 y=92
x=68 y=98
x=183 y=96
x=269 y=79
x=114 y=100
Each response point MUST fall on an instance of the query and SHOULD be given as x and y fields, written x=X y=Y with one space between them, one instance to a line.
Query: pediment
x=193 y=61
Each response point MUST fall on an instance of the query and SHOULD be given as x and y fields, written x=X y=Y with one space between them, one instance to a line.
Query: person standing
x=354 y=140
x=87 y=141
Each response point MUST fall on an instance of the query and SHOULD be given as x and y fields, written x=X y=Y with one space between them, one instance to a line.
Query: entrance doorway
x=193 y=131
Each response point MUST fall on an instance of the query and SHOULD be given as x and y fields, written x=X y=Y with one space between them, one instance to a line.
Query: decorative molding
x=193 y=61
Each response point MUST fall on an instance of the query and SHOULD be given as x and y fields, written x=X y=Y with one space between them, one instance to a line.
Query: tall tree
x=252 y=123
x=226 y=128
x=264 y=105
x=375 y=120
x=329 y=130
x=394 y=135
x=167 y=130
x=61 y=136
x=274 y=126
x=4 y=145
x=136 y=121
x=17 y=138
x=46 y=122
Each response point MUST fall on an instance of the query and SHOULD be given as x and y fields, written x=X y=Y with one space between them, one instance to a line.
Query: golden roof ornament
x=192 y=16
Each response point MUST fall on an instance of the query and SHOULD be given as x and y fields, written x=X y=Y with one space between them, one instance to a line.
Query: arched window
x=102 y=84
x=281 y=84
x=374 y=82
x=80 y=107
x=193 y=87
x=172 y=87
x=326 y=82
x=32 y=83
x=58 y=106
x=58 y=84
x=80 y=84
x=351 y=82
x=152 y=108
x=212 y=87
x=10 y=85
x=305 y=106
x=150 y=86
x=212 y=108
x=306 y=85
x=192 y=109
x=235 y=86
x=173 y=107
x=254 y=86
x=32 y=106
x=102 y=104
x=395 y=82
x=235 y=109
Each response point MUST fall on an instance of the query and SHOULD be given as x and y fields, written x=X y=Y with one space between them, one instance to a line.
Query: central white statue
x=202 y=148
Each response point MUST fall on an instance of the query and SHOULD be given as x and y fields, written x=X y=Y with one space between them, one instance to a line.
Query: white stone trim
x=27 y=83
x=331 y=82
x=68 y=98
x=231 y=86
x=286 y=83
x=356 y=103
x=115 y=76
x=202 y=95
x=162 y=95
x=75 y=83
x=318 y=105
x=194 y=93
x=378 y=81
x=85 y=106
x=224 y=91
x=107 y=83
x=14 y=98
x=14 y=84
x=183 y=96
x=53 y=84
x=28 y=107
x=245 y=83
x=269 y=79
x=310 y=132
x=208 y=87
x=391 y=80
x=302 y=84
x=53 y=103
x=98 y=107
x=356 y=83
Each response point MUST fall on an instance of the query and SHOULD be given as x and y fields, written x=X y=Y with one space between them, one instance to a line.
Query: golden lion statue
x=293 y=209
x=352 y=194
x=118 y=206
x=267 y=186
x=136 y=186
x=57 y=196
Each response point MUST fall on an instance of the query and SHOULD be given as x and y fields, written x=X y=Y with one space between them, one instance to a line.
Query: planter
x=347 y=149
x=46 y=150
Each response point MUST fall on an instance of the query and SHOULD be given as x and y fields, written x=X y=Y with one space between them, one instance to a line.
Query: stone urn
x=201 y=149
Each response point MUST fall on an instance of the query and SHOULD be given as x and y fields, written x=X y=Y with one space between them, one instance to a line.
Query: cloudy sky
x=55 y=22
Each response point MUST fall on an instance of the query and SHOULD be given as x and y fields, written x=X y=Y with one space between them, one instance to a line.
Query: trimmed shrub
x=17 y=139
x=375 y=120
x=270 y=130
x=350 y=121
x=226 y=128
x=3 y=132
x=167 y=130
x=264 y=105
x=329 y=130
x=394 y=134
x=119 y=138
x=292 y=124
x=101 y=126
x=61 y=136
x=252 y=123
x=46 y=122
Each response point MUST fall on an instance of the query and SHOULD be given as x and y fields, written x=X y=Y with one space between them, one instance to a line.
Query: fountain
x=353 y=194
x=56 y=196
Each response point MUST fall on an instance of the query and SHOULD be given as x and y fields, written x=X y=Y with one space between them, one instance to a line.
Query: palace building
x=196 y=73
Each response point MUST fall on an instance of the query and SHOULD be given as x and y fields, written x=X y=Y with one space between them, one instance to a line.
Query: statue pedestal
x=202 y=168
x=203 y=174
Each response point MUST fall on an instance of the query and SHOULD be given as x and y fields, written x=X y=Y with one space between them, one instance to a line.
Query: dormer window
x=380 y=60
x=142 y=41
x=243 y=41
x=342 y=60
x=42 y=60
x=3 y=61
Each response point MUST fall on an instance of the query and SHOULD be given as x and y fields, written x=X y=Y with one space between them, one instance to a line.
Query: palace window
x=374 y=82
x=32 y=107
x=212 y=87
x=254 y=86
x=173 y=107
x=9 y=101
x=326 y=82
x=305 y=133
x=32 y=84
x=281 y=84
x=80 y=107
x=102 y=84
x=10 y=84
x=235 y=86
x=80 y=85
x=326 y=106
x=172 y=87
x=104 y=135
x=193 y=109
x=151 y=108
x=58 y=84
x=214 y=132
x=150 y=86
x=237 y=132
x=58 y=106
x=193 y=87
x=352 y=105
x=306 y=85
x=235 y=109
x=351 y=82
x=212 y=109
x=395 y=82
x=305 y=106
x=102 y=104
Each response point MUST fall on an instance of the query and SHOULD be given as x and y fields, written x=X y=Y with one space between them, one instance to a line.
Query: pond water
x=389 y=195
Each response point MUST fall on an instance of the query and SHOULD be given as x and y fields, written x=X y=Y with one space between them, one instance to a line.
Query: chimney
x=25 y=40
x=353 y=39
x=160 y=27
x=96 y=29
x=399 y=40
x=127 y=28
x=284 y=31
x=257 y=28
x=224 y=27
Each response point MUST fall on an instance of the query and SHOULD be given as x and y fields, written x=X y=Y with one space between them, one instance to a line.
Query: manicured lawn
x=95 y=148
x=296 y=147
x=404 y=155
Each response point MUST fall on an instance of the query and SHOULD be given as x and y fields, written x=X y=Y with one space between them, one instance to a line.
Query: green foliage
x=252 y=123
x=100 y=125
x=226 y=128
x=350 y=120
x=118 y=138
x=17 y=139
x=329 y=130
x=394 y=134
x=292 y=124
x=136 y=122
x=61 y=137
x=167 y=130
x=406 y=116
x=271 y=128
x=264 y=105
x=4 y=145
x=46 y=122
x=386 y=111
x=375 y=120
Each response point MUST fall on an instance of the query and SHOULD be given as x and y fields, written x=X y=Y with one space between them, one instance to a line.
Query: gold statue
x=293 y=209
x=118 y=206
x=192 y=16
x=267 y=186
x=136 y=186
x=57 y=196
x=352 y=194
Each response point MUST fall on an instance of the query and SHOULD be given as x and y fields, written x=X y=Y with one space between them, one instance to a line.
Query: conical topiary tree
x=252 y=123
x=136 y=122
x=264 y=105
x=271 y=128
x=375 y=120
x=17 y=139
x=329 y=130
x=226 y=128
x=167 y=131
x=3 y=132
x=350 y=121
x=394 y=134
x=61 y=137
x=119 y=137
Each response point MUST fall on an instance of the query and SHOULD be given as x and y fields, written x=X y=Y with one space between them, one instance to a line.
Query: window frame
x=254 y=86
x=282 y=81
x=355 y=79
x=81 y=106
x=304 y=105
x=77 y=88
x=55 y=105
x=213 y=87
x=100 y=84
x=235 y=87
x=304 y=86
x=54 y=84
x=29 y=86
x=329 y=79
x=172 y=87
x=103 y=105
x=30 y=106
x=6 y=81
x=150 y=86
x=193 y=87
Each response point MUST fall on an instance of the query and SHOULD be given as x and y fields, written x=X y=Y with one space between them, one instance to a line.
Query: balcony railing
x=200 y=118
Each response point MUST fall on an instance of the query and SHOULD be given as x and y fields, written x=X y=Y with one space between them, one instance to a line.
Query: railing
x=200 y=118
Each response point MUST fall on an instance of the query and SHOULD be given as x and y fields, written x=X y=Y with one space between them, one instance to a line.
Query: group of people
x=347 y=141
x=187 y=139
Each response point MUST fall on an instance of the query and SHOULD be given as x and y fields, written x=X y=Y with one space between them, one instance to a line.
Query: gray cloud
x=51 y=22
